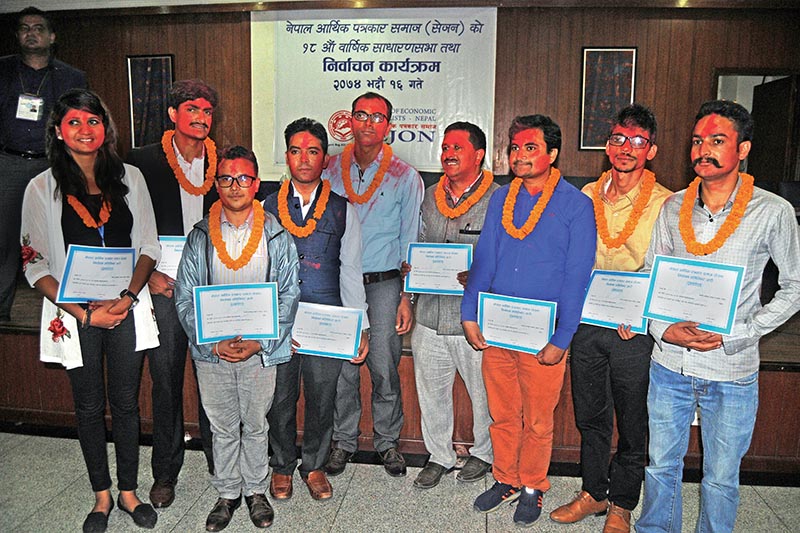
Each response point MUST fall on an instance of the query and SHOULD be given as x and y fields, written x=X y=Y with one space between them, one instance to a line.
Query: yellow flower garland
x=88 y=220
x=474 y=198
x=536 y=212
x=347 y=162
x=648 y=182
x=215 y=232
x=186 y=185
x=728 y=227
x=286 y=219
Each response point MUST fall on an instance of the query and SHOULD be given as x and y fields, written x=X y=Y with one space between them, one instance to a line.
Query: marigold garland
x=88 y=220
x=648 y=182
x=286 y=219
x=186 y=185
x=215 y=231
x=455 y=212
x=347 y=162
x=536 y=212
x=728 y=227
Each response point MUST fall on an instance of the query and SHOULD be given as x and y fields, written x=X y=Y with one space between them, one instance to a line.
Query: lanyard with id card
x=31 y=106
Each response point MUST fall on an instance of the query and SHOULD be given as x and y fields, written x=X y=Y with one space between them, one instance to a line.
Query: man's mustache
x=706 y=160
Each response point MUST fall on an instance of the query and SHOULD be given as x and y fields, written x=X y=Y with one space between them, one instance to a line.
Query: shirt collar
x=248 y=223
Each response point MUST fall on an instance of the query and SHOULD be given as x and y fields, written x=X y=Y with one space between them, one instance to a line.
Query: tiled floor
x=45 y=489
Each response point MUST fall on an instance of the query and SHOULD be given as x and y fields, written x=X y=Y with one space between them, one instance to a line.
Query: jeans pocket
x=747 y=380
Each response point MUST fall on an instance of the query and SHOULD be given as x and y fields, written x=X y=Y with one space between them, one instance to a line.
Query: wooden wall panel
x=539 y=69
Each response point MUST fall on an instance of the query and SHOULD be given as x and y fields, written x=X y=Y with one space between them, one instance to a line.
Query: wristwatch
x=129 y=294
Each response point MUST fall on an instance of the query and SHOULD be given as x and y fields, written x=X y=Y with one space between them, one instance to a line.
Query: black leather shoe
x=474 y=470
x=337 y=461
x=162 y=494
x=430 y=476
x=393 y=462
x=97 y=522
x=220 y=516
x=261 y=512
x=143 y=516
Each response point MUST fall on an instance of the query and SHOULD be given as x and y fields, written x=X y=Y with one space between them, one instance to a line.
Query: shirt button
x=299 y=281
x=301 y=256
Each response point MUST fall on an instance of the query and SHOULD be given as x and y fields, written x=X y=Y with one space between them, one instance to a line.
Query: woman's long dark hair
x=108 y=168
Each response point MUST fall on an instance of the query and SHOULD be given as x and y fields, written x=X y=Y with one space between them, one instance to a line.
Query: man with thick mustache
x=452 y=211
x=609 y=368
x=537 y=242
x=720 y=218
x=30 y=83
x=179 y=172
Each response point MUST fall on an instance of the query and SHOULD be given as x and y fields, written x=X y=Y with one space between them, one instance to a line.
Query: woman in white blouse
x=89 y=197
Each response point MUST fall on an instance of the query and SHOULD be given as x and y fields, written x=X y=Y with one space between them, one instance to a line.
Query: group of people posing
x=336 y=233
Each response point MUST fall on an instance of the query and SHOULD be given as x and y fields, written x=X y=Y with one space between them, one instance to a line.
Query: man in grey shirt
x=719 y=218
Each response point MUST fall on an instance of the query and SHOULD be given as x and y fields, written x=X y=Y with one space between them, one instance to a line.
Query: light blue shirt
x=390 y=218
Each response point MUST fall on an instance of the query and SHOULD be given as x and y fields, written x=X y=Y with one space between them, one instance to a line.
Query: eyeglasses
x=637 y=141
x=244 y=181
x=375 y=118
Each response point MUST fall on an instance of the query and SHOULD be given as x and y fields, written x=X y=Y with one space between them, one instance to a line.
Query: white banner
x=436 y=66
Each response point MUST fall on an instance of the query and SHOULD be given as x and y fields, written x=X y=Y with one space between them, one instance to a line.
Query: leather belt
x=375 y=277
x=24 y=155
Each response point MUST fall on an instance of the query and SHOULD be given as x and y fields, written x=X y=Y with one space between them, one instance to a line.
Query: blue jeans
x=727 y=417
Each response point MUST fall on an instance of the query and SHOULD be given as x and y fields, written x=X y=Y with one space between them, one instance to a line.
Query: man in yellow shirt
x=610 y=369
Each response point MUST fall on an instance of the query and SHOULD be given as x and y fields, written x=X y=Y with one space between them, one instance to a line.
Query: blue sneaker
x=496 y=496
x=529 y=507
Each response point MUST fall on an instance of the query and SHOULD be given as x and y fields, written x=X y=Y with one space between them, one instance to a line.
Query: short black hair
x=476 y=136
x=373 y=96
x=551 y=130
x=736 y=113
x=186 y=90
x=637 y=116
x=311 y=126
x=30 y=10
x=229 y=153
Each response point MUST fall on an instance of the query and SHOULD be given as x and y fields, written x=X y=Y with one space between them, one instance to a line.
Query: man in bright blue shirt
x=387 y=194
x=538 y=241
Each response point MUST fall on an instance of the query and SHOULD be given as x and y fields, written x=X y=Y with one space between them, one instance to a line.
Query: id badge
x=29 y=107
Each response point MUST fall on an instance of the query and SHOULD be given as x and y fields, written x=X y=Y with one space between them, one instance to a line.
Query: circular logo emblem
x=339 y=126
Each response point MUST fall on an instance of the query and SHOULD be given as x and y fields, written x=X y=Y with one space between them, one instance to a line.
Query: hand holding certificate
x=516 y=323
x=615 y=298
x=697 y=291
x=171 y=250
x=327 y=330
x=435 y=267
x=246 y=310
x=95 y=273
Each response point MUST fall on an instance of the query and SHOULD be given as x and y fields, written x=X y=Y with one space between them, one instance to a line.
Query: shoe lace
x=504 y=490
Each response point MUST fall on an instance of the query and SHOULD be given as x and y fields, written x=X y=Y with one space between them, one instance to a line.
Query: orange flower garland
x=215 y=231
x=474 y=198
x=536 y=212
x=286 y=219
x=648 y=182
x=186 y=185
x=347 y=162
x=727 y=228
x=88 y=220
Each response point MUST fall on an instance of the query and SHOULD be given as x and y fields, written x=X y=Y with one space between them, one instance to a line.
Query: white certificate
x=615 y=298
x=95 y=273
x=249 y=310
x=171 y=250
x=434 y=267
x=328 y=330
x=516 y=323
x=697 y=291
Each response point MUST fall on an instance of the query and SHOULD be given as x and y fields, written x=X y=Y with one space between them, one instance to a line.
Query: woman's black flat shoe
x=143 y=516
x=97 y=522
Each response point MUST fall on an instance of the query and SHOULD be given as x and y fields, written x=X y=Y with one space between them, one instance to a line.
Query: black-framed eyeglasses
x=375 y=118
x=637 y=141
x=243 y=180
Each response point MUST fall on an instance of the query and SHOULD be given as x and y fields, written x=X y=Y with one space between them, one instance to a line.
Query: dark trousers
x=167 y=363
x=124 y=374
x=319 y=377
x=611 y=375
x=16 y=173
